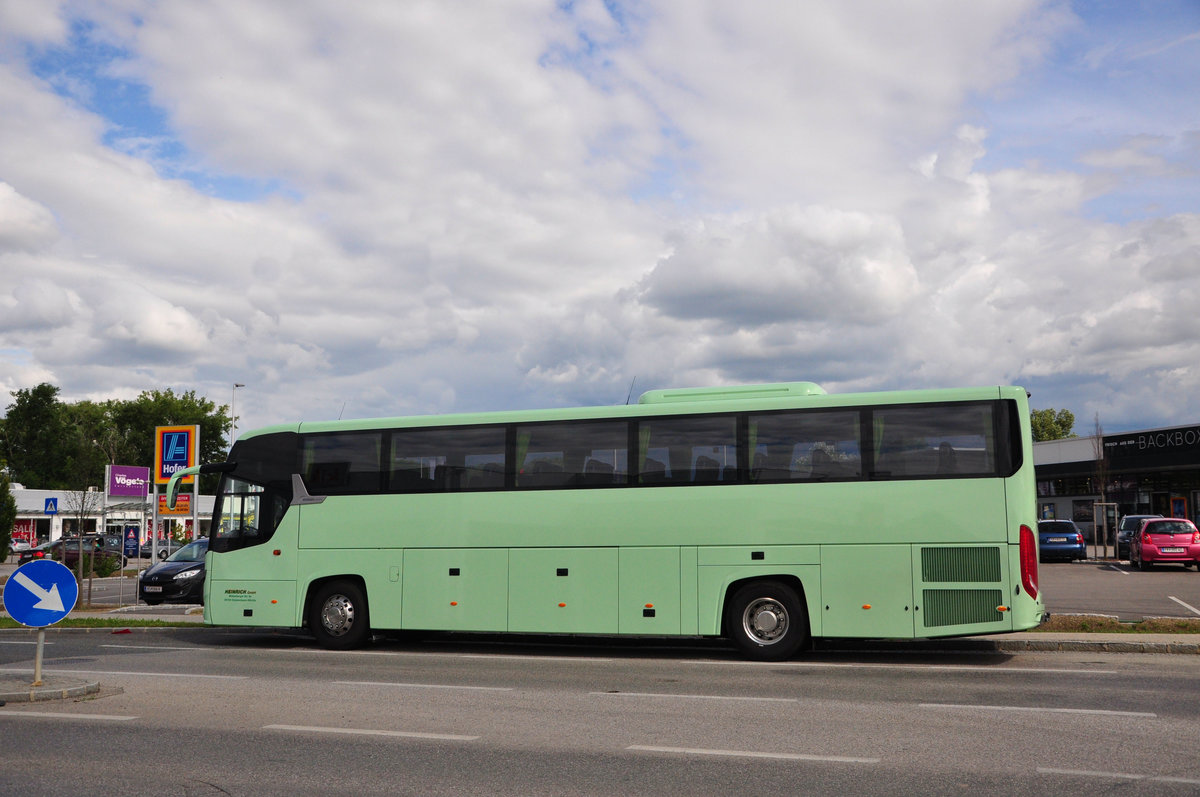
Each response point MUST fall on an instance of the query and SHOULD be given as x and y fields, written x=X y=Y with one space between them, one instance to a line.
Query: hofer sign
x=175 y=448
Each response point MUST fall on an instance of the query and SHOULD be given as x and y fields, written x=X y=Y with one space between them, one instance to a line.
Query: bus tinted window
x=341 y=464
x=447 y=459
x=687 y=449
x=572 y=454
x=935 y=440
x=817 y=446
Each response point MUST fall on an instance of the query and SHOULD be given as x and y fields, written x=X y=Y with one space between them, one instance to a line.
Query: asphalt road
x=210 y=711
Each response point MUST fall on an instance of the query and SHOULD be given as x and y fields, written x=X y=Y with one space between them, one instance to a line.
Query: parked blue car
x=1060 y=539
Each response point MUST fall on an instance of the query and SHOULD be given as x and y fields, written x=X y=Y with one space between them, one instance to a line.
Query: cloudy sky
x=388 y=208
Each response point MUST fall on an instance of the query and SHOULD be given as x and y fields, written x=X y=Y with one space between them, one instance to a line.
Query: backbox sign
x=175 y=448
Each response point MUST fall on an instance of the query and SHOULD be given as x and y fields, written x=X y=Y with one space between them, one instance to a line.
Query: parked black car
x=1129 y=525
x=44 y=551
x=66 y=550
x=178 y=579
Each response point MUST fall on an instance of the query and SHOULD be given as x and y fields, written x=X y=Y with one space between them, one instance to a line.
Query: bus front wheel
x=766 y=620
x=338 y=616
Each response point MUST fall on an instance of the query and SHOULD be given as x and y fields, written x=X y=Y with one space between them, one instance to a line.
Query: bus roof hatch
x=780 y=390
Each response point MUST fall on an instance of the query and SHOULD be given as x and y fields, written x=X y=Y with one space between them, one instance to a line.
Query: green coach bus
x=770 y=514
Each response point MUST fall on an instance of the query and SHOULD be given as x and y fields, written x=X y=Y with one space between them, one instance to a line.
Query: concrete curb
x=54 y=687
x=1105 y=646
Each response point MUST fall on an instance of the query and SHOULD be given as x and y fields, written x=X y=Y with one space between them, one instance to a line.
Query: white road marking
x=1089 y=773
x=437 y=655
x=128 y=672
x=369 y=732
x=697 y=697
x=60 y=716
x=428 y=686
x=152 y=647
x=817 y=665
x=1041 y=710
x=1191 y=609
x=751 y=754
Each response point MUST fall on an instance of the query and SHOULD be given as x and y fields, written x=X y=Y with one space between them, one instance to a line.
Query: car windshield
x=1169 y=527
x=192 y=552
x=1055 y=527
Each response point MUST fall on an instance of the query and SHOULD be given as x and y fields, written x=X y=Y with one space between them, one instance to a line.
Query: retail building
x=1154 y=471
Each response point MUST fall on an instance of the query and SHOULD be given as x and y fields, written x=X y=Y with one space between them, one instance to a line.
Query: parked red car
x=1166 y=539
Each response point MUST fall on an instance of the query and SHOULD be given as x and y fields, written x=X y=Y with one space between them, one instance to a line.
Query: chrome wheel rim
x=765 y=620
x=337 y=615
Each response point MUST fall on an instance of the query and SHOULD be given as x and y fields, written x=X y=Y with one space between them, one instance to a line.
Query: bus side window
x=697 y=449
x=572 y=454
x=806 y=445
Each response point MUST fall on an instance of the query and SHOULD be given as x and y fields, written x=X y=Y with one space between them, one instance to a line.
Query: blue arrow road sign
x=40 y=593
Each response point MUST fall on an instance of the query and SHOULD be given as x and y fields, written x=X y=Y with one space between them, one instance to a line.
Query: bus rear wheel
x=338 y=616
x=766 y=620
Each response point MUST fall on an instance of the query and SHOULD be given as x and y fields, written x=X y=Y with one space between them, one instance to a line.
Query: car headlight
x=188 y=574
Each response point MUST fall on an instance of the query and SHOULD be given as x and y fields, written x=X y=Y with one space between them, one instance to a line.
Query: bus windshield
x=253 y=496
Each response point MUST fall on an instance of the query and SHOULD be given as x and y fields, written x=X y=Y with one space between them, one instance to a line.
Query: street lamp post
x=233 y=413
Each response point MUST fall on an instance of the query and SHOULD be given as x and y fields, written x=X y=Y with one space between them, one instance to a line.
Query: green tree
x=1051 y=424
x=8 y=514
x=37 y=443
x=56 y=446
x=135 y=421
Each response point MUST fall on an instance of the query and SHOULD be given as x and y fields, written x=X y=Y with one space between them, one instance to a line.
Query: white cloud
x=489 y=206
x=24 y=224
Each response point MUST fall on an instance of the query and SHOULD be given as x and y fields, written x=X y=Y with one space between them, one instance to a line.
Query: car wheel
x=766 y=620
x=1143 y=564
x=151 y=603
x=338 y=616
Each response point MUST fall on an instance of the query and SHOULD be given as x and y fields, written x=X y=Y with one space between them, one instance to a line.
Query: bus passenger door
x=867 y=591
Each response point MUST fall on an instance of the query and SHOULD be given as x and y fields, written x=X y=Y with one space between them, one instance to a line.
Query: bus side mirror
x=173 y=484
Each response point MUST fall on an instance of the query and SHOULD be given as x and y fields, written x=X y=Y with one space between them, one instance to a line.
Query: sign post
x=38 y=594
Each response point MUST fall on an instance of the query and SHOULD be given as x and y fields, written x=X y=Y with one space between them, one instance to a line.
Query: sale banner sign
x=183 y=505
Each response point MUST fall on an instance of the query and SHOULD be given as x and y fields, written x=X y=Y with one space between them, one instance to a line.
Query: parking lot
x=1096 y=586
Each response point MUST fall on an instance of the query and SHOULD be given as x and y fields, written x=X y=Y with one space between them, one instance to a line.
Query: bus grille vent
x=971 y=565
x=962 y=606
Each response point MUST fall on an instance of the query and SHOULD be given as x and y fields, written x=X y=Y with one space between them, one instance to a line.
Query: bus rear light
x=1029 y=561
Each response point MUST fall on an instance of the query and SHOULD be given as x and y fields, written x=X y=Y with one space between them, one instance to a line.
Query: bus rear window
x=926 y=440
